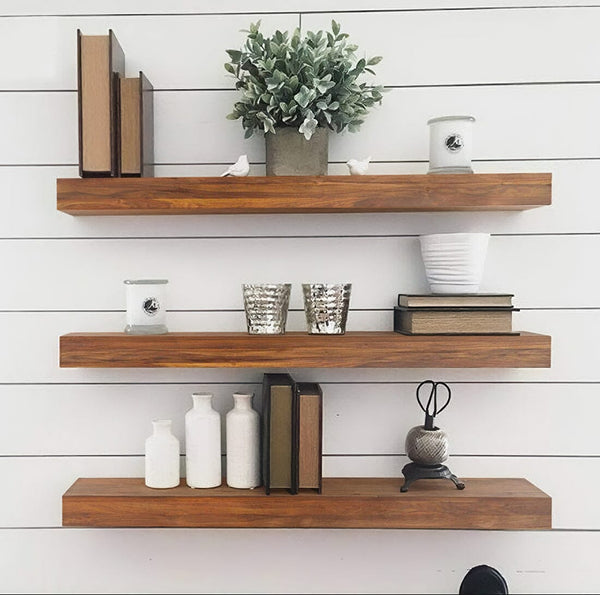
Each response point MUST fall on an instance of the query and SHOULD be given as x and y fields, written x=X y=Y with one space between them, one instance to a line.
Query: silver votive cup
x=266 y=306
x=326 y=307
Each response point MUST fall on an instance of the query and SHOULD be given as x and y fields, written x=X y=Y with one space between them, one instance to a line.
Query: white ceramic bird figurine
x=240 y=168
x=358 y=168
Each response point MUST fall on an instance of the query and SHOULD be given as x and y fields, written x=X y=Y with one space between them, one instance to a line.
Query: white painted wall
x=529 y=74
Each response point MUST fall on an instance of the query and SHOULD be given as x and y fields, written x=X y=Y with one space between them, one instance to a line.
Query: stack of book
x=292 y=434
x=115 y=113
x=454 y=314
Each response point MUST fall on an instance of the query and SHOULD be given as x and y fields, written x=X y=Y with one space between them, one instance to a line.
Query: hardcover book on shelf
x=453 y=321
x=136 y=127
x=308 y=436
x=100 y=64
x=278 y=460
x=465 y=300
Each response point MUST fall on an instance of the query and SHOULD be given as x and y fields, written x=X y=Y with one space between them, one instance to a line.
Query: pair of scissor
x=431 y=408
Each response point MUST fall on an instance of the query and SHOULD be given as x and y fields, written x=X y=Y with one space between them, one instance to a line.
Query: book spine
x=266 y=437
x=295 y=439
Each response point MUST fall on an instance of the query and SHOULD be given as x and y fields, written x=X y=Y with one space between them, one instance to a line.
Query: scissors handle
x=431 y=408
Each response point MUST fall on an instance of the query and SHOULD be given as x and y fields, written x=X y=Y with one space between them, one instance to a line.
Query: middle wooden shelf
x=359 y=503
x=366 y=349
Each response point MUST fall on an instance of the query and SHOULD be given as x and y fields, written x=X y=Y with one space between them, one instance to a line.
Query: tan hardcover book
x=281 y=437
x=277 y=443
x=309 y=435
x=465 y=300
x=100 y=63
x=136 y=119
x=457 y=321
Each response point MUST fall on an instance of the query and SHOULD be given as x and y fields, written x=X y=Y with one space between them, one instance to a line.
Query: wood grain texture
x=345 y=503
x=304 y=194
x=361 y=349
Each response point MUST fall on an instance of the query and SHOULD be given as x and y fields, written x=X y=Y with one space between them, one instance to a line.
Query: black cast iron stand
x=414 y=471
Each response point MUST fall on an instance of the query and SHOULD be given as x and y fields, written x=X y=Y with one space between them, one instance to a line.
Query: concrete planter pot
x=290 y=154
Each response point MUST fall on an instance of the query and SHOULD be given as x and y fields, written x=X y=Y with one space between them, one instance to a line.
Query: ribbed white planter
x=454 y=261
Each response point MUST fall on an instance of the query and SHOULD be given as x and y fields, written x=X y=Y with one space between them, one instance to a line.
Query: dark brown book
x=278 y=438
x=100 y=63
x=465 y=300
x=454 y=321
x=136 y=127
x=309 y=435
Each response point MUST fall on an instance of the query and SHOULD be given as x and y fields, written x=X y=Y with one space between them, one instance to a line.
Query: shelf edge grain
x=303 y=194
x=364 y=349
x=375 y=503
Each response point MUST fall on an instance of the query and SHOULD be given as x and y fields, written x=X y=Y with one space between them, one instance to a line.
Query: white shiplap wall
x=529 y=74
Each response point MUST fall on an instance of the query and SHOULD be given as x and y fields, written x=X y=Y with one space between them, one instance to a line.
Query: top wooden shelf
x=303 y=194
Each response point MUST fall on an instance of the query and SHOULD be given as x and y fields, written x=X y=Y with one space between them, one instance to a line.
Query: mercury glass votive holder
x=266 y=306
x=146 y=306
x=326 y=307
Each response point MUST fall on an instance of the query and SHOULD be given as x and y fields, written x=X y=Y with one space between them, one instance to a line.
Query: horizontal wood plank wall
x=527 y=72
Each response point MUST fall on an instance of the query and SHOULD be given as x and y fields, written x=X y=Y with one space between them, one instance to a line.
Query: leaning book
x=100 y=64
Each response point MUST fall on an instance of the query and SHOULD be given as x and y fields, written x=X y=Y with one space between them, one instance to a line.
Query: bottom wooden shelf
x=358 y=503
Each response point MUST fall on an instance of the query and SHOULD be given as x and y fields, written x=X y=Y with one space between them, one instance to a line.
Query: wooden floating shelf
x=303 y=194
x=357 y=503
x=300 y=350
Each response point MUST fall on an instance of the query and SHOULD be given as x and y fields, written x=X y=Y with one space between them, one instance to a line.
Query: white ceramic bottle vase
x=243 y=443
x=162 y=456
x=203 y=443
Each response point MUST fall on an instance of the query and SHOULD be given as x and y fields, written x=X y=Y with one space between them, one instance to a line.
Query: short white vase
x=243 y=443
x=162 y=456
x=203 y=443
x=454 y=261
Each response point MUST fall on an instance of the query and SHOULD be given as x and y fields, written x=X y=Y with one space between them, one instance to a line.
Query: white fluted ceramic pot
x=203 y=443
x=454 y=262
x=427 y=447
x=161 y=458
x=243 y=443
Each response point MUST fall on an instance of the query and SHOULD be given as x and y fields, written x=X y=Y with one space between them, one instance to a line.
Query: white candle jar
x=146 y=307
x=451 y=144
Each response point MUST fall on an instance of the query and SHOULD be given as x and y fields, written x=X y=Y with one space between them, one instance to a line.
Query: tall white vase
x=243 y=443
x=162 y=456
x=203 y=443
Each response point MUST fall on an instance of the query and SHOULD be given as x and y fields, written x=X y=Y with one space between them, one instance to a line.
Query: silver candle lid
x=447 y=118
x=145 y=281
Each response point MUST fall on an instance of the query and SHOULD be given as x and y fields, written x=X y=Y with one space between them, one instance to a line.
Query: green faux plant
x=303 y=82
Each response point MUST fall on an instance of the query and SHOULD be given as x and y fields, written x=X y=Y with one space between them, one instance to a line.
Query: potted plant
x=295 y=90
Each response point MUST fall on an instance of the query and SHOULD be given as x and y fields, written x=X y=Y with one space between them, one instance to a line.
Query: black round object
x=483 y=580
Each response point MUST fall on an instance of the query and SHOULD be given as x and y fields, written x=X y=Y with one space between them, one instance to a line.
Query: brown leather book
x=278 y=422
x=457 y=321
x=309 y=441
x=100 y=63
x=136 y=127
